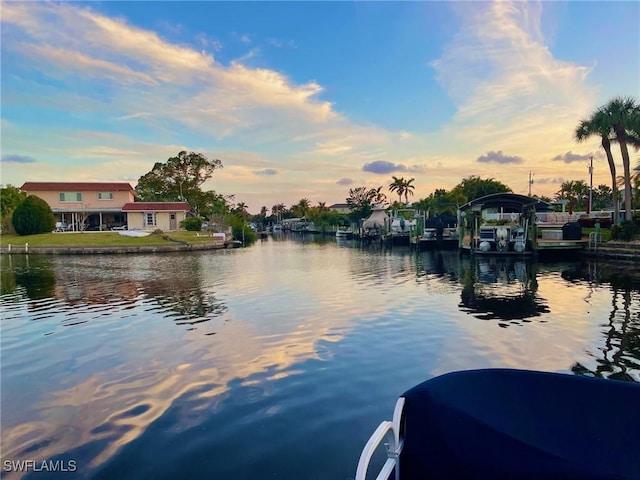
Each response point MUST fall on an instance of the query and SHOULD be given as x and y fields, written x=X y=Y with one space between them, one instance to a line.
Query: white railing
x=390 y=431
x=594 y=239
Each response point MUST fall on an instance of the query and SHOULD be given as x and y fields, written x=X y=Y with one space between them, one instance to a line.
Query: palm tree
x=598 y=125
x=408 y=189
x=623 y=115
x=397 y=186
x=277 y=210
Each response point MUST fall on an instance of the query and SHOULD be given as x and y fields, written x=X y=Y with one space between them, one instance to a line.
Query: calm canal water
x=279 y=360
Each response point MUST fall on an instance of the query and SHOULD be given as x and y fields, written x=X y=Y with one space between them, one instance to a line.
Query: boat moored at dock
x=512 y=224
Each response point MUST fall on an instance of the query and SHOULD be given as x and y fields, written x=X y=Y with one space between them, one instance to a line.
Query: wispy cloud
x=266 y=171
x=571 y=157
x=498 y=157
x=277 y=43
x=345 y=181
x=384 y=167
x=547 y=180
x=134 y=115
x=18 y=159
x=508 y=87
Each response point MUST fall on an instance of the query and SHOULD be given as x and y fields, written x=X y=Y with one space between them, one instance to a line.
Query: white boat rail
x=392 y=432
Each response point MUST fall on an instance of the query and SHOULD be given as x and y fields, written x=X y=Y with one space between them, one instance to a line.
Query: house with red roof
x=80 y=206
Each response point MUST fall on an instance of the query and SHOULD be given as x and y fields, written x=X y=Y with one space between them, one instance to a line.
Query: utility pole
x=530 y=181
x=590 y=185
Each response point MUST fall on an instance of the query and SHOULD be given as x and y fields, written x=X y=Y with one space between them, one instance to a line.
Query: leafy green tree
x=441 y=201
x=602 y=197
x=10 y=198
x=179 y=179
x=474 y=187
x=325 y=218
x=209 y=203
x=576 y=191
x=240 y=210
x=300 y=208
x=240 y=230
x=362 y=200
x=33 y=216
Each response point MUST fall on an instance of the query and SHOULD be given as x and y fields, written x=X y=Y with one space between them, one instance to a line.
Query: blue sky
x=306 y=100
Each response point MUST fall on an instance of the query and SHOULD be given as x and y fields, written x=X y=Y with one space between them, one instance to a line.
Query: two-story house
x=340 y=208
x=80 y=206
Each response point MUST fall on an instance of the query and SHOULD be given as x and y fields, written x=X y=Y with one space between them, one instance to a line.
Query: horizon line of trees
x=181 y=177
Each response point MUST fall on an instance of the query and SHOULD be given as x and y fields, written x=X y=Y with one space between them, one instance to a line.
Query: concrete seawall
x=625 y=251
x=107 y=250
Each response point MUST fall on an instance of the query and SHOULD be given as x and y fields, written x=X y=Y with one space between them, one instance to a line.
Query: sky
x=310 y=99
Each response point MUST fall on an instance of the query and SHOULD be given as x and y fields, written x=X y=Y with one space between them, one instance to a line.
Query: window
x=105 y=195
x=149 y=218
x=70 y=196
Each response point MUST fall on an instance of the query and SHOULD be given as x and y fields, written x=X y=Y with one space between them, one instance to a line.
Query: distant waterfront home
x=81 y=206
x=155 y=215
x=340 y=208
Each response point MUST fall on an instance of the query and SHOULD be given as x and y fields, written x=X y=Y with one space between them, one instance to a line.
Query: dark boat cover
x=514 y=424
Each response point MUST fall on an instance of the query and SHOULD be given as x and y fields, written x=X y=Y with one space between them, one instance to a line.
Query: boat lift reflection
x=502 y=289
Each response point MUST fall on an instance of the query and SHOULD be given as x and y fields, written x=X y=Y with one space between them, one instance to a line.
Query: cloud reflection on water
x=271 y=310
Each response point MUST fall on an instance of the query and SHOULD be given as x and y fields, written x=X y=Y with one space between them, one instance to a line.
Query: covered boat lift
x=512 y=228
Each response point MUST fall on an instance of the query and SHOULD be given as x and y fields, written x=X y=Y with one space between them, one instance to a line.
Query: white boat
x=376 y=224
x=134 y=233
x=403 y=224
x=344 y=233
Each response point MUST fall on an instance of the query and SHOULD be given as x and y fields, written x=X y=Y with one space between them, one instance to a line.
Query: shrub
x=590 y=222
x=625 y=231
x=238 y=225
x=33 y=216
x=192 y=224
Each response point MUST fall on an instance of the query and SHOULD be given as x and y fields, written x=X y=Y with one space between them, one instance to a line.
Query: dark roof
x=156 y=207
x=79 y=186
x=340 y=205
x=508 y=201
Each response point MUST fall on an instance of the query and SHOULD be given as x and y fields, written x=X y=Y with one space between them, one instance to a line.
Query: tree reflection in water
x=620 y=355
x=503 y=289
x=174 y=288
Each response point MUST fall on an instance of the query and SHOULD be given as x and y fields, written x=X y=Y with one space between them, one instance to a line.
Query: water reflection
x=304 y=329
x=619 y=357
x=88 y=283
x=501 y=289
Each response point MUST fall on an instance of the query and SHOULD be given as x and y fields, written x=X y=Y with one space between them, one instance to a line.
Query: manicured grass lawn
x=98 y=239
x=605 y=232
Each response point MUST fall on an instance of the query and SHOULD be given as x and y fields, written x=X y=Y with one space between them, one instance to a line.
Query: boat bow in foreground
x=511 y=424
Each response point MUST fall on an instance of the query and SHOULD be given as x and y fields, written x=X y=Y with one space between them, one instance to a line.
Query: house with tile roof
x=340 y=208
x=80 y=206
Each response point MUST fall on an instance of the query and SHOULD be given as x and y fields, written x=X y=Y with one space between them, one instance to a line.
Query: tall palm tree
x=408 y=189
x=397 y=186
x=277 y=210
x=623 y=115
x=598 y=125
